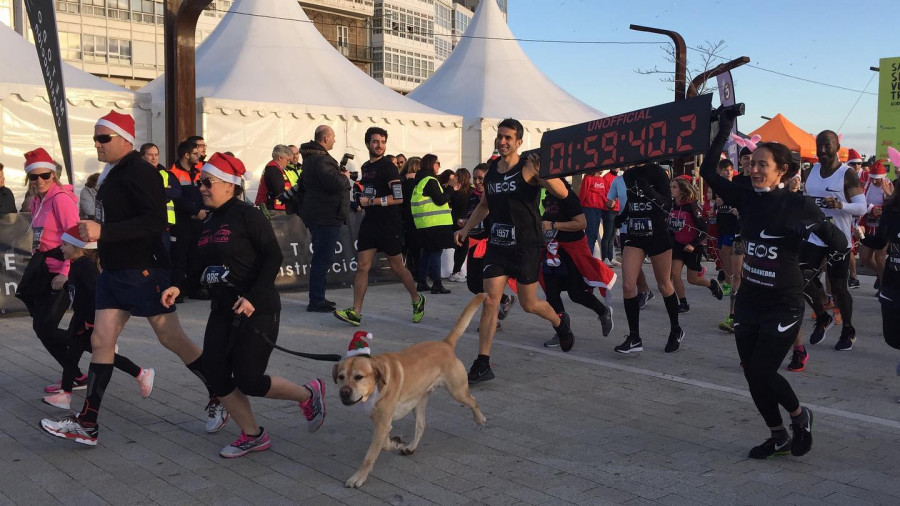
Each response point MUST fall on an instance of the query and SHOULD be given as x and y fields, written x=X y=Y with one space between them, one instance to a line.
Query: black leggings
x=762 y=348
x=80 y=343
x=890 y=315
x=47 y=311
x=573 y=282
x=238 y=357
x=474 y=271
x=459 y=257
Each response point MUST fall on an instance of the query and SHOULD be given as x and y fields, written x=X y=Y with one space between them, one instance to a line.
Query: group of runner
x=783 y=242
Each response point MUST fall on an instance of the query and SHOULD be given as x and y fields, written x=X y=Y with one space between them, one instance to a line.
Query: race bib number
x=36 y=240
x=676 y=224
x=215 y=275
x=503 y=235
x=640 y=227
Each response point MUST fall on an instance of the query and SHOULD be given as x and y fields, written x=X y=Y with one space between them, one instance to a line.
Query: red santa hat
x=853 y=156
x=73 y=237
x=122 y=124
x=686 y=177
x=878 y=170
x=38 y=159
x=358 y=345
x=225 y=167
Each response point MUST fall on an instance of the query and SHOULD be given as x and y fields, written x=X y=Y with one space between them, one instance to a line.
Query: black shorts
x=384 y=236
x=523 y=266
x=651 y=245
x=691 y=260
x=837 y=267
x=137 y=291
x=873 y=242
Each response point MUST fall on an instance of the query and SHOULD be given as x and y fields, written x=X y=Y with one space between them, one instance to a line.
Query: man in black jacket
x=326 y=206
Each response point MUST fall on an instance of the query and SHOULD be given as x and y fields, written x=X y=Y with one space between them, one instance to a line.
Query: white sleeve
x=857 y=205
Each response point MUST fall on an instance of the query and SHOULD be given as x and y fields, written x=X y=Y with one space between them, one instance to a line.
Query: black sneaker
x=716 y=290
x=802 y=441
x=674 y=342
x=644 y=298
x=848 y=336
x=606 y=321
x=721 y=277
x=552 y=343
x=770 y=449
x=684 y=308
x=798 y=360
x=564 y=332
x=853 y=283
x=630 y=345
x=506 y=307
x=824 y=323
x=480 y=371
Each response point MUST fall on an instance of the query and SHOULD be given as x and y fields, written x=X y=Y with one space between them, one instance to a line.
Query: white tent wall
x=251 y=129
x=26 y=122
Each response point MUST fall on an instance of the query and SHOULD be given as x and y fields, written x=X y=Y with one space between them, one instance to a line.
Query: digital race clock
x=665 y=131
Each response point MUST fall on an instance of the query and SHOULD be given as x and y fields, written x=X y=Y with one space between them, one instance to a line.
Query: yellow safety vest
x=425 y=212
x=292 y=174
x=170 y=206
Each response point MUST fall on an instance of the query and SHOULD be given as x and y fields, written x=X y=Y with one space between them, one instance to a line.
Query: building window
x=343 y=40
x=118 y=9
x=443 y=16
x=120 y=52
x=70 y=45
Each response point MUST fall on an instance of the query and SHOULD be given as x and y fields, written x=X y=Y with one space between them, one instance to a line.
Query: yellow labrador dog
x=391 y=385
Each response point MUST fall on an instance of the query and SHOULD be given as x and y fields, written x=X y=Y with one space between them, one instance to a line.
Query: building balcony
x=365 y=8
x=354 y=52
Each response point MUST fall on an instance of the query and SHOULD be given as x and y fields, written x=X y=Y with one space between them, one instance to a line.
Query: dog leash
x=324 y=357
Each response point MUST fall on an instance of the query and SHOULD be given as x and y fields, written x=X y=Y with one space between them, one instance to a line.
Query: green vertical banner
x=888 y=133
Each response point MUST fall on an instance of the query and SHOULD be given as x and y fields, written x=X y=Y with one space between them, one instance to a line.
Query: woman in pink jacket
x=54 y=209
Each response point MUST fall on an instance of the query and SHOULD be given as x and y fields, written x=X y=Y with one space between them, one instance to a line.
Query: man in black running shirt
x=511 y=193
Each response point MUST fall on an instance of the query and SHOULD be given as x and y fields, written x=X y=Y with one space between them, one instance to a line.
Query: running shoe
x=80 y=384
x=552 y=342
x=853 y=283
x=727 y=324
x=72 y=429
x=61 y=400
x=615 y=263
x=644 y=298
x=684 y=308
x=564 y=332
x=845 y=342
x=350 y=315
x=216 y=415
x=439 y=289
x=506 y=307
x=145 y=381
x=837 y=317
x=630 y=345
x=726 y=289
x=770 y=449
x=480 y=372
x=246 y=444
x=606 y=321
x=457 y=277
x=802 y=441
x=314 y=407
x=418 y=311
x=798 y=360
x=675 y=338
x=721 y=276
x=823 y=325
x=716 y=289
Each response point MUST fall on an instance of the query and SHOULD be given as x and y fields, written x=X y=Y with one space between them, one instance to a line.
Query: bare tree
x=708 y=54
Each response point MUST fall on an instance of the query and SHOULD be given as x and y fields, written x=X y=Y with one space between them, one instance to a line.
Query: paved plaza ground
x=587 y=427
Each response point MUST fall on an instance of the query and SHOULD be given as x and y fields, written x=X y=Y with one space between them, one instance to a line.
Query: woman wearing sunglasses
x=54 y=209
x=239 y=259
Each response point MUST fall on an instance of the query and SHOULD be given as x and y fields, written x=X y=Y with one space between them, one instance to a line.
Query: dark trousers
x=459 y=256
x=323 y=239
x=237 y=357
x=594 y=218
x=569 y=279
x=890 y=316
x=607 y=242
x=46 y=314
x=430 y=265
x=474 y=272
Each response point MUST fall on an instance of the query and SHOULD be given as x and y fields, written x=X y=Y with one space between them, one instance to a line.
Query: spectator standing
x=86 y=204
x=411 y=248
x=434 y=222
x=459 y=209
x=7 y=200
x=294 y=168
x=189 y=211
x=593 y=196
x=274 y=180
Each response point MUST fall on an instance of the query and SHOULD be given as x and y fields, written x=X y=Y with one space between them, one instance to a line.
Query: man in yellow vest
x=294 y=168
x=150 y=153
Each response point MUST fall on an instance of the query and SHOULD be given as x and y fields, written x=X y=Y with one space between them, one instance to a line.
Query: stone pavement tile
x=678 y=500
x=800 y=500
x=842 y=499
x=487 y=496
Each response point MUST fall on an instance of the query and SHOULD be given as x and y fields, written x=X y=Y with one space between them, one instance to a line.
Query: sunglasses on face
x=207 y=183
x=104 y=138
x=857 y=164
x=45 y=176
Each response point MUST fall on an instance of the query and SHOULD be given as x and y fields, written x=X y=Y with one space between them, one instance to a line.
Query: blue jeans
x=323 y=239
x=607 y=243
x=430 y=265
x=594 y=219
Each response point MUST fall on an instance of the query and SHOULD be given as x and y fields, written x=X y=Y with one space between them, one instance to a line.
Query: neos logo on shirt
x=760 y=250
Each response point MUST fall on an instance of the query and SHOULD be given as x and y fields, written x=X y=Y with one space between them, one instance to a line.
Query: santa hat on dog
x=73 y=237
x=358 y=345
x=122 y=124
x=38 y=159
x=225 y=167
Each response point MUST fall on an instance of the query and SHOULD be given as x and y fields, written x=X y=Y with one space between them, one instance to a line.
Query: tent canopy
x=780 y=129
x=488 y=75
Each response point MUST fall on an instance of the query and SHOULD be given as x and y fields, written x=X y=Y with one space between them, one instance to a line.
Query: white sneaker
x=145 y=381
x=458 y=277
x=216 y=415
x=61 y=400
x=608 y=263
x=615 y=262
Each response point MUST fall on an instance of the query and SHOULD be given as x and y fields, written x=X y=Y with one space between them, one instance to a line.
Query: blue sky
x=826 y=41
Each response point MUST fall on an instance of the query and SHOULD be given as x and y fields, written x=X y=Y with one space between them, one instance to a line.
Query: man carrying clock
x=511 y=190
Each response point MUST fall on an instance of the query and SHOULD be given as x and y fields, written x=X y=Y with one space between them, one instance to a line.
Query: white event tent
x=26 y=121
x=487 y=78
x=266 y=76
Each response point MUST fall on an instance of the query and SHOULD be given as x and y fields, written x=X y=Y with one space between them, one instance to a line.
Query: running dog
x=391 y=385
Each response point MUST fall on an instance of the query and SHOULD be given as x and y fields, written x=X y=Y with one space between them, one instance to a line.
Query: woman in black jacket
x=459 y=210
x=434 y=223
x=411 y=248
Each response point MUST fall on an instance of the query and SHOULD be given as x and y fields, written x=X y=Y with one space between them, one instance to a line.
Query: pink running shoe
x=145 y=381
x=61 y=400
x=80 y=384
x=314 y=408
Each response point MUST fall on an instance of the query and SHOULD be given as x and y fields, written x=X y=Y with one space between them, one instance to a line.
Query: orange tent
x=780 y=129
